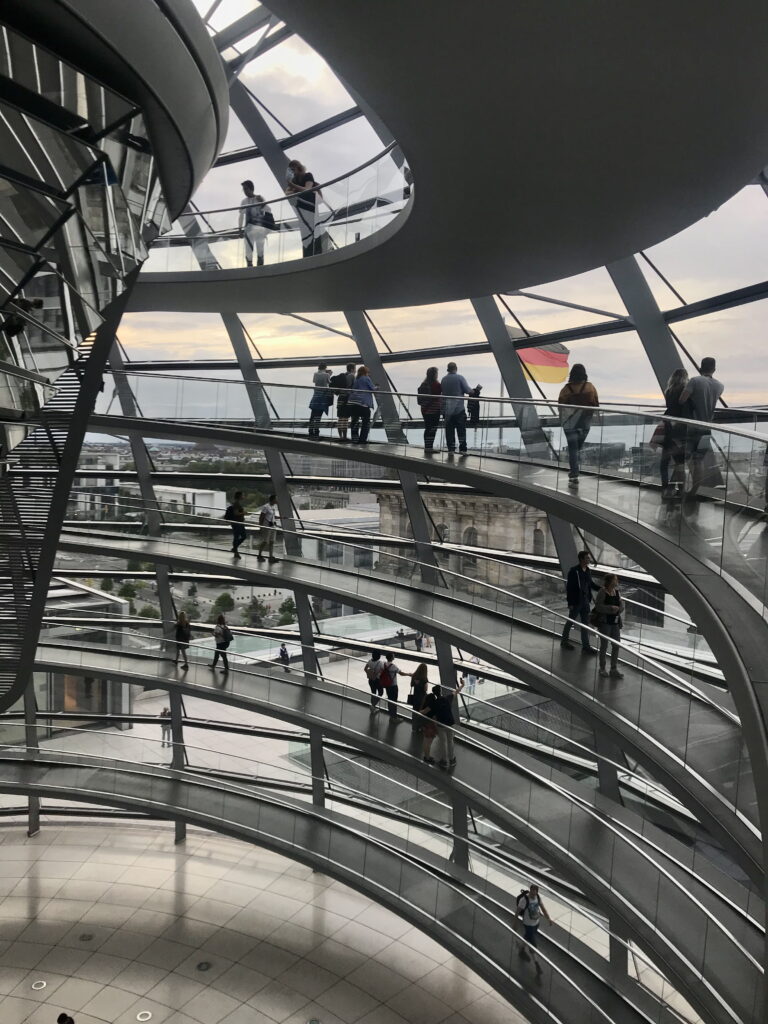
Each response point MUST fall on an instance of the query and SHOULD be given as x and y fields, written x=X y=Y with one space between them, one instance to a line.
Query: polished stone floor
x=119 y=922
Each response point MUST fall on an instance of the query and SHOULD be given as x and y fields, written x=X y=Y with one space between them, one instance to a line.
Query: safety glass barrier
x=665 y=707
x=700 y=486
x=483 y=916
x=534 y=797
x=544 y=734
x=306 y=221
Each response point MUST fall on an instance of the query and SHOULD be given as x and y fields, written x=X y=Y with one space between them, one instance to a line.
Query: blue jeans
x=238 y=535
x=455 y=424
x=575 y=439
x=577 y=611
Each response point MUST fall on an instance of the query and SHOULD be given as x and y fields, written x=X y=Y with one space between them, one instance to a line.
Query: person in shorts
x=342 y=384
x=267 y=519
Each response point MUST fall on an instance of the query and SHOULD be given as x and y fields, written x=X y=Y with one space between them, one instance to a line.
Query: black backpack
x=339 y=382
x=269 y=220
x=229 y=512
x=523 y=895
x=226 y=635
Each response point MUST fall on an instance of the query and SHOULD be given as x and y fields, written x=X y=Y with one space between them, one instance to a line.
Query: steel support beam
x=177 y=752
x=317 y=762
x=651 y=327
x=460 y=822
x=144 y=469
x=531 y=432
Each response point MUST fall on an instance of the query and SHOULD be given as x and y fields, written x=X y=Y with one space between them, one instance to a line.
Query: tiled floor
x=117 y=920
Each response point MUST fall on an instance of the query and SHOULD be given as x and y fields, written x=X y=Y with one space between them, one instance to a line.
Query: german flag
x=547 y=364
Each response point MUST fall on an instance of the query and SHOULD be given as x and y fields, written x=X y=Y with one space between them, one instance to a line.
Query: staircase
x=25 y=503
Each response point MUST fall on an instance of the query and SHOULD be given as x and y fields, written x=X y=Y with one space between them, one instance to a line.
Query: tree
x=287 y=612
x=107 y=585
x=254 y=612
x=148 y=612
x=128 y=591
x=224 y=603
x=192 y=591
x=134 y=565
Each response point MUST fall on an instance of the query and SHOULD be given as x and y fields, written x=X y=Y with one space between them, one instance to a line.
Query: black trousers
x=431 y=423
x=360 y=422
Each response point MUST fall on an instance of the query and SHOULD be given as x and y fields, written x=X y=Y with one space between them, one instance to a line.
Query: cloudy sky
x=724 y=251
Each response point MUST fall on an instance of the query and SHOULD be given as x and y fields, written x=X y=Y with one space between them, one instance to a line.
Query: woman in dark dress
x=673 y=445
x=430 y=405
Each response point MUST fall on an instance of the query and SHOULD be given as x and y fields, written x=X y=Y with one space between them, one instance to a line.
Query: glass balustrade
x=661 y=706
x=338 y=213
x=625 y=854
x=712 y=509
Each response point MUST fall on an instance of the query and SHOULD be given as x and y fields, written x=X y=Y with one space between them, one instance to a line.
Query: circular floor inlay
x=144 y=1015
x=38 y=985
x=86 y=937
x=204 y=965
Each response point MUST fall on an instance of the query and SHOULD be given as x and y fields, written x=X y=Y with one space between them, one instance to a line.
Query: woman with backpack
x=222 y=634
x=183 y=639
x=606 y=615
x=429 y=392
x=576 y=422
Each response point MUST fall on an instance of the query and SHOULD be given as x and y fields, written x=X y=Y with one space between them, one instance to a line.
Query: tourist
x=255 y=222
x=284 y=657
x=530 y=907
x=420 y=636
x=388 y=680
x=607 y=613
x=473 y=406
x=165 y=727
x=235 y=514
x=576 y=422
x=223 y=638
x=303 y=186
x=360 y=406
x=429 y=402
x=703 y=393
x=417 y=696
x=373 y=670
x=674 y=435
x=470 y=676
x=578 y=593
x=429 y=725
x=183 y=638
x=267 y=531
x=454 y=387
x=342 y=384
x=441 y=711
x=321 y=399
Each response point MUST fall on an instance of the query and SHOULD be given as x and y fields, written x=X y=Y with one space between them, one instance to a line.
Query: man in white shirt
x=251 y=223
x=374 y=668
x=267 y=521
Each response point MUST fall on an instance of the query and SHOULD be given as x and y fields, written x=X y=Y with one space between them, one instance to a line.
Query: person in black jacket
x=578 y=592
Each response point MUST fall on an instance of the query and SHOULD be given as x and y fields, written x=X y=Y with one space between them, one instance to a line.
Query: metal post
x=33 y=746
x=646 y=317
x=318 y=766
x=531 y=432
x=178 y=753
x=460 y=852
